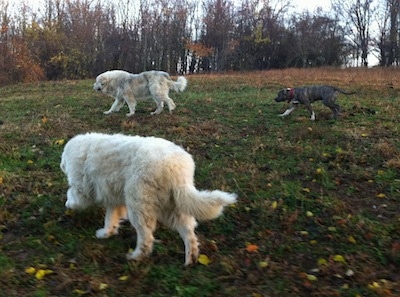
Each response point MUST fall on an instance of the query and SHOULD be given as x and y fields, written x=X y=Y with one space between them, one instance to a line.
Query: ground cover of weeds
x=318 y=201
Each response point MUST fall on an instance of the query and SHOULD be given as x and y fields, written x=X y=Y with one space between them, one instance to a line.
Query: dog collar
x=291 y=94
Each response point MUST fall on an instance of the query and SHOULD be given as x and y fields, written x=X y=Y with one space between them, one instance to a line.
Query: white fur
x=144 y=179
x=127 y=87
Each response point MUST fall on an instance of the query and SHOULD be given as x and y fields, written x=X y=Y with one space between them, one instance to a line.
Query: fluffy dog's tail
x=203 y=205
x=179 y=85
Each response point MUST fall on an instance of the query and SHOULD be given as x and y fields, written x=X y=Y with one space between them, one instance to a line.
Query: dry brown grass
x=375 y=78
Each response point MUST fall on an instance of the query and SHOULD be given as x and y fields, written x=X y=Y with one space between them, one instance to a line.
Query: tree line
x=81 y=38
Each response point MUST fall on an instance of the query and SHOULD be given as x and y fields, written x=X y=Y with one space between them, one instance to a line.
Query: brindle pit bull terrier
x=309 y=94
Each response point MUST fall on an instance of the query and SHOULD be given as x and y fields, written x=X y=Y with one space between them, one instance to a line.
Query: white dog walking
x=144 y=179
x=127 y=87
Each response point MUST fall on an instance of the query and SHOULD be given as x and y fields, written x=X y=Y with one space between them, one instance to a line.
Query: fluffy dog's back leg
x=143 y=218
x=185 y=225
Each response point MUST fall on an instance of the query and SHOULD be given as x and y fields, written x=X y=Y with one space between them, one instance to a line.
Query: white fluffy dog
x=127 y=87
x=144 y=179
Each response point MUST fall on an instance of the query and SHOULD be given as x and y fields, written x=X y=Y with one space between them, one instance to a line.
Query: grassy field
x=318 y=209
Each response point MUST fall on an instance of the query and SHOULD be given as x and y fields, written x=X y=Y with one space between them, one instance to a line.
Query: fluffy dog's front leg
x=73 y=201
x=131 y=101
x=115 y=107
x=112 y=220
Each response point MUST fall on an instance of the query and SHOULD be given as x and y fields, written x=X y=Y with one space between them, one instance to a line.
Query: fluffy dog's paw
x=107 y=112
x=105 y=233
x=136 y=256
x=71 y=204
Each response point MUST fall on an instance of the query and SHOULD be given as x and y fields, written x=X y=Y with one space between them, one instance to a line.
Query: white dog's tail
x=179 y=85
x=203 y=205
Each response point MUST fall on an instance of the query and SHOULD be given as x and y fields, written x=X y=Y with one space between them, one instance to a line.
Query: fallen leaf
x=44 y=120
x=274 y=205
x=311 y=277
x=307 y=190
x=204 y=260
x=263 y=264
x=30 y=270
x=351 y=239
x=103 y=286
x=252 y=248
x=319 y=170
x=349 y=272
x=59 y=142
x=381 y=195
x=40 y=274
x=309 y=214
x=373 y=285
x=339 y=258
x=322 y=262
x=123 y=278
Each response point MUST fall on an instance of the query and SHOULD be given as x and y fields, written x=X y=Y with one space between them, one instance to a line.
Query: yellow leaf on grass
x=30 y=270
x=351 y=239
x=59 y=142
x=204 y=260
x=1 y=180
x=79 y=292
x=263 y=264
x=311 y=277
x=103 y=286
x=123 y=278
x=309 y=214
x=322 y=262
x=29 y=162
x=381 y=195
x=339 y=258
x=44 y=120
x=40 y=274
x=274 y=205
x=374 y=285
x=307 y=190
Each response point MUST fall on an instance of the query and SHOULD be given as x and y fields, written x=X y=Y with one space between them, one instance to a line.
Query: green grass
x=308 y=191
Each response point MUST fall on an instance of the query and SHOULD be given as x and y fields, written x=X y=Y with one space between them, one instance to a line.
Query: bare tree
x=357 y=17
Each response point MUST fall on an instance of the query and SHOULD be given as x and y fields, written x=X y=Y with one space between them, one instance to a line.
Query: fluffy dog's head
x=101 y=83
x=285 y=95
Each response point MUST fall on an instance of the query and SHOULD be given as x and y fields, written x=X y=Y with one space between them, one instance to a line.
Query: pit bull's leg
x=310 y=109
x=333 y=106
x=288 y=111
